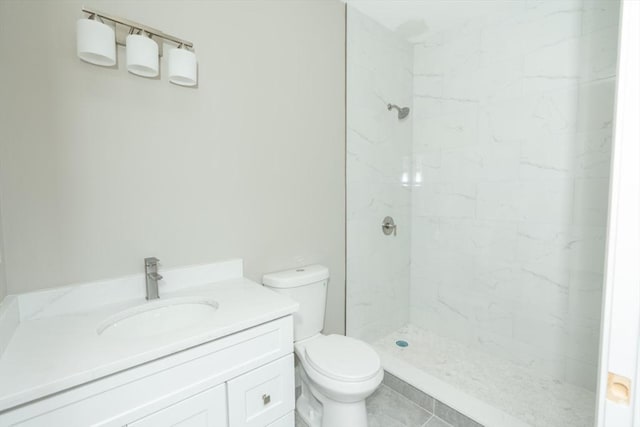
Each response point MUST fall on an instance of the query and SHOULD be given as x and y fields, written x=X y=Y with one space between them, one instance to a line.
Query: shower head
x=403 y=112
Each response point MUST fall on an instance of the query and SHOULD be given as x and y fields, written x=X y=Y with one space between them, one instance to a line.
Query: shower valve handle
x=389 y=226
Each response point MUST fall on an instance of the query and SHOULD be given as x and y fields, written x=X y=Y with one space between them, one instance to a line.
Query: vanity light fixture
x=97 y=41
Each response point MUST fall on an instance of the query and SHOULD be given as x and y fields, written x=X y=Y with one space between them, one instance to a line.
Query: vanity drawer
x=263 y=395
x=206 y=409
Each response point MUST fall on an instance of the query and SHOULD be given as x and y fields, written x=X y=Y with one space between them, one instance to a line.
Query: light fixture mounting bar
x=138 y=26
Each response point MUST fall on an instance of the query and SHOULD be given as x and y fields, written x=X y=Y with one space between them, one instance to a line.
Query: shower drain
x=402 y=343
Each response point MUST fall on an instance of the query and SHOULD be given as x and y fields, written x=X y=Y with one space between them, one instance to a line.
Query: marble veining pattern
x=538 y=400
x=511 y=133
x=512 y=130
x=57 y=345
x=379 y=72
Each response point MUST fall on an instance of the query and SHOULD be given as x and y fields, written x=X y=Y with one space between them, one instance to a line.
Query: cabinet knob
x=266 y=399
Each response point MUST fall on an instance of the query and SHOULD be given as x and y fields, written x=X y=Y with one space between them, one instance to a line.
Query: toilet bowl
x=340 y=372
x=336 y=373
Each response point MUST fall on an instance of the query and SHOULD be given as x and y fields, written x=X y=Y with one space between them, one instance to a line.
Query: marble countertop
x=49 y=340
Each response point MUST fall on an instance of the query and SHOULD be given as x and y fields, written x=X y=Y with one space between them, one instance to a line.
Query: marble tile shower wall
x=512 y=129
x=379 y=72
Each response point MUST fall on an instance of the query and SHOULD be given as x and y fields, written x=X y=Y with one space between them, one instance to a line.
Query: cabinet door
x=206 y=409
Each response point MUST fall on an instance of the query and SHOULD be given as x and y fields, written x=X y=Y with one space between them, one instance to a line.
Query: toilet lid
x=343 y=358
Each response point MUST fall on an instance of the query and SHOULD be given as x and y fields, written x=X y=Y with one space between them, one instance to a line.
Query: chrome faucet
x=152 y=277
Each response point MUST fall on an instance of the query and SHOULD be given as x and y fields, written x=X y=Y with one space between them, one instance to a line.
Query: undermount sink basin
x=159 y=317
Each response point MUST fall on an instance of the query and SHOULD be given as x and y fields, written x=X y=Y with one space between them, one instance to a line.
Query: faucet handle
x=151 y=262
x=154 y=276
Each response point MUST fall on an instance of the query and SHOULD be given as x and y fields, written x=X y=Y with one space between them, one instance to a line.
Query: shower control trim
x=389 y=226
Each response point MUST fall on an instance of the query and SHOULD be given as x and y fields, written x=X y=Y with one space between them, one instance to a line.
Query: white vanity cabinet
x=245 y=379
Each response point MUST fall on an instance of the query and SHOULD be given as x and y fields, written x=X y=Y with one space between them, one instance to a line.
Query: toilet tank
x=308 y=286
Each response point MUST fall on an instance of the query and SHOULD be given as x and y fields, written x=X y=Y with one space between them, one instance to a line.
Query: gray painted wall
x=3 y=283
x=100 y=168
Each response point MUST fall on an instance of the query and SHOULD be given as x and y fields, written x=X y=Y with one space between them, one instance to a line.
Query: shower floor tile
x=534 y=399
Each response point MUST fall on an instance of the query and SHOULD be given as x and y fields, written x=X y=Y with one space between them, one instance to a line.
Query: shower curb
x=429 y=403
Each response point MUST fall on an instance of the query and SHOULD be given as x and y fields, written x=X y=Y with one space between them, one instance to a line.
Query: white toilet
x=338 y=373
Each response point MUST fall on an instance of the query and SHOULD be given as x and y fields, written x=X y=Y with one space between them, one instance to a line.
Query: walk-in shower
x=488 y=294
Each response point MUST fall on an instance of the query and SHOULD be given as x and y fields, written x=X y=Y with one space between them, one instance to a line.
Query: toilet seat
x=342 y=358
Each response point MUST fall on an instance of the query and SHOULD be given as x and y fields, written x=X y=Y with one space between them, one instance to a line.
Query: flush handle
x=389 y=226
x=266 y=399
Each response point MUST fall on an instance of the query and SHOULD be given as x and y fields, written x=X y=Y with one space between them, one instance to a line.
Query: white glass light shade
x=183 y=67
x=142 y=55
x=96 y=42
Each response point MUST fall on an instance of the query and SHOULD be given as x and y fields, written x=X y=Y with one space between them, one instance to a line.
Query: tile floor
x=388 y=408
